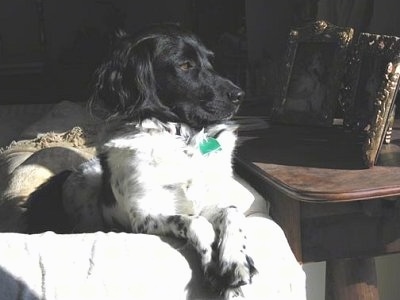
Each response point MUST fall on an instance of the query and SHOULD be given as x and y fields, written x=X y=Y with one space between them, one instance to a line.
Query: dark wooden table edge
x=315 y=197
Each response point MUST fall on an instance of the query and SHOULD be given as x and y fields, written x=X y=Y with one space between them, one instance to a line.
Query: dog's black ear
x=108 y=94
x=125 y=83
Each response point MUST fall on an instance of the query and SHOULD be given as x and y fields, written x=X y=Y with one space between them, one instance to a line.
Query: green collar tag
x=209 y=145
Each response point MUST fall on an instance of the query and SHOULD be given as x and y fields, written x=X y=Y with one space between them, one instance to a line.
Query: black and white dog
x=164 y=165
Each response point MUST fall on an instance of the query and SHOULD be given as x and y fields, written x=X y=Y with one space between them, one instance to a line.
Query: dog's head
x=165 y=72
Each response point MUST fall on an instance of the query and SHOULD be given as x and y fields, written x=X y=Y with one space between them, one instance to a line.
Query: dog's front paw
x=230 y=269
x=231 y=274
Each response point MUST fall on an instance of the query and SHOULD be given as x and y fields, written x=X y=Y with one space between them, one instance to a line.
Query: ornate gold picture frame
x=370 y=88
x=315 y=64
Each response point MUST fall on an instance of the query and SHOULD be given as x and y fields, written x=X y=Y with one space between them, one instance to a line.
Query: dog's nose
x=236 y=96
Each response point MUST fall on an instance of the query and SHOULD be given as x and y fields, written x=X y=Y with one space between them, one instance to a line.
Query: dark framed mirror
x=312 y=77
x=344 y=87
x=370 y=88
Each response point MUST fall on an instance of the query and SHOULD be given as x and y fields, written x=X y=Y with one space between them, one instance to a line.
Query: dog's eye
x=187 y=65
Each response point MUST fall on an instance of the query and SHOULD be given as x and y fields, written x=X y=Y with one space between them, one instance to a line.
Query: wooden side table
x=330 y=207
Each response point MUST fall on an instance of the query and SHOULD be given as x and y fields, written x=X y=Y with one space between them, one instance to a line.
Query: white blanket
x=134 y=266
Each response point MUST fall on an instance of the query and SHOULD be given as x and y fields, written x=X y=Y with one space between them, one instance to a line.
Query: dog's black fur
x=165 y=72
x=45 y=212
x=164 y=75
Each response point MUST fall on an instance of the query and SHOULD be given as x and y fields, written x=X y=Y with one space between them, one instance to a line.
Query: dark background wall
x=49 y=48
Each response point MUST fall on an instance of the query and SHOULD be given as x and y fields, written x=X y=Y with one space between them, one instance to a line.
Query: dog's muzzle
x=236 y=96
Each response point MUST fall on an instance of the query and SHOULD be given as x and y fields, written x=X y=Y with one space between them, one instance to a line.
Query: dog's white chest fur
x=160 y=169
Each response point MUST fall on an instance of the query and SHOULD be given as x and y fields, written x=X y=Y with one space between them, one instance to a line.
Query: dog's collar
x=209 y=145
x=206 y=143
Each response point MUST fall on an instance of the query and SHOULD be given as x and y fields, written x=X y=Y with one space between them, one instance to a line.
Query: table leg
x=351 y=279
